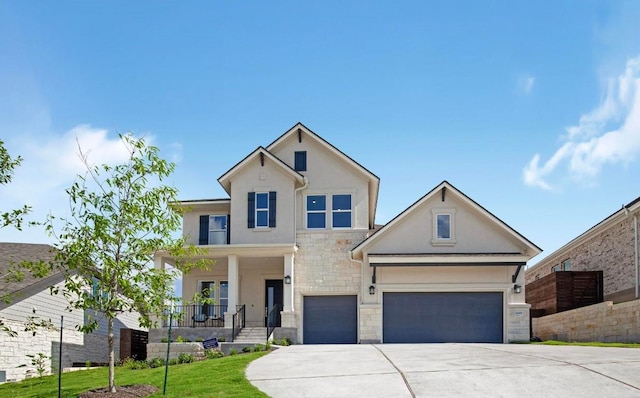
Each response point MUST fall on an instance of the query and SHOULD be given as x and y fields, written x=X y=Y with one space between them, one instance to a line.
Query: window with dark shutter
x=204 y=230
x=300 y=161
x=272 y=209
x=251 y=210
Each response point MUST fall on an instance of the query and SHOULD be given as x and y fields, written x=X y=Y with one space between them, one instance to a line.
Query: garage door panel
x=440 y=317
x=330 y=320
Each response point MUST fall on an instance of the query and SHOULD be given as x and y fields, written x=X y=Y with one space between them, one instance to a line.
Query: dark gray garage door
x=447 y=317
x=330 y=320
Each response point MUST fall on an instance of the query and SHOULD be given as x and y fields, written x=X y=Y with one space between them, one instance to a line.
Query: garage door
x=330 y=320
x=442 y=317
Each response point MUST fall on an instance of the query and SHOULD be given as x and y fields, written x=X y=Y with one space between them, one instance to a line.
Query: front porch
x=250 y=286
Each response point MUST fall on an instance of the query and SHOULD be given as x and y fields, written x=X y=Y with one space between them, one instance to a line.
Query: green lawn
x=591 y=344
x=223 y=377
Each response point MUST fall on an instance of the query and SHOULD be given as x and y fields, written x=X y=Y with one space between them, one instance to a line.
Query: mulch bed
x=131 y=391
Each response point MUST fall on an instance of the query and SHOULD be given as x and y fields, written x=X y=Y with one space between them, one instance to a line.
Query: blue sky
x=530 y=108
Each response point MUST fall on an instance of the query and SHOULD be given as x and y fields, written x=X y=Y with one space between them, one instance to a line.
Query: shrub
x=247 y=349
x=268 y=346
x=185 y=358
x=233 y=351
x=222 y=339
x=213 y=354
x=156 y=362
x=199 y=339
x=282 y=342
x=173 y=361
x=164 y=340
x=259 y=347
x=181 y=339
x=132 y=364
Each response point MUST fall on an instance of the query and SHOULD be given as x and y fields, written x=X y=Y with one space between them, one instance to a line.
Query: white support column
x=288 y=288
x=234 y=289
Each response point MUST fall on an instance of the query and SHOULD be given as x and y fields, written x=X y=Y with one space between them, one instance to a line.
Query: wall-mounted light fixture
x=372 y=289
x=517 y=289
x=287 y=280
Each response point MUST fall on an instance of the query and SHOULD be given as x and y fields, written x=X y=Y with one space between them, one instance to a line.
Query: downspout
x=295 y=210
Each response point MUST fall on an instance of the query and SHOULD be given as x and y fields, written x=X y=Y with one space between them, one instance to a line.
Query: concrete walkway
x=447 y=370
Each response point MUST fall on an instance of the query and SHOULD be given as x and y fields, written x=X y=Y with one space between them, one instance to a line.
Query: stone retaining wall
x=604 y=322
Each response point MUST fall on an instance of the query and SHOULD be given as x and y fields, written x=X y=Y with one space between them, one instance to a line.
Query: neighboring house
x=297 y=235
x=33 y=293
x=610 y=246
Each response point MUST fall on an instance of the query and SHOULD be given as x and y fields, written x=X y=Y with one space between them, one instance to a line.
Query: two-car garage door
x=442 y=317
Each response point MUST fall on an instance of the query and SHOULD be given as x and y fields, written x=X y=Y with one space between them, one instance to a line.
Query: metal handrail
x=271 y=319
x=238 y=320
x=196 y=315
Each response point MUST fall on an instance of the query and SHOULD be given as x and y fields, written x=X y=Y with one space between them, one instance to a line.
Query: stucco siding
x=471 y=231
x=191 y=219
x=257 y=178
x=327 y=174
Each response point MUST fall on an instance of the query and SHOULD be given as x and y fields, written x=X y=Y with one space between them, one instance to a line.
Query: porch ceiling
x=240 y=250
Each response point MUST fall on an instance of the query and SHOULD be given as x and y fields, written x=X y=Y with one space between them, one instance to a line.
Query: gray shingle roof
x=15 y=253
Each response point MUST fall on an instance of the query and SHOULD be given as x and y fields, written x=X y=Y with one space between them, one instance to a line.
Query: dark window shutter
x=272 y=209
x=228 y=229
x=204 y=230
x=300 y=161
x=251 y=210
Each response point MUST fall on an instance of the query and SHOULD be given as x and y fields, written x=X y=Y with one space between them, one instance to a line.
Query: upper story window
x=316 y=211
x=214 y=230
x=261 y=210
x=341 y=211
x=443 y=226
x=300 y=161
x=217 y=230
x=340 y=214
x=563 y=266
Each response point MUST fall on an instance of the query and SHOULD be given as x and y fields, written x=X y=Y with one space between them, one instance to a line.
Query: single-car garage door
x=442 y=317
x=330 y=320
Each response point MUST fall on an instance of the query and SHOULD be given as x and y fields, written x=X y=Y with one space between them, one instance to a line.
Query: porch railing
x=197 y=316
x=272 y=319
x=238 y=322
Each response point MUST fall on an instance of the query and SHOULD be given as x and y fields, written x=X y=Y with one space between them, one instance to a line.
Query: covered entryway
x=330 y=320
x=442 y=317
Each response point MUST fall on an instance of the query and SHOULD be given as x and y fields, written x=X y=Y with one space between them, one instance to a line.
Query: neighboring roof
x=15 y=253
x=373 y=179
x=444 y=184
x=218 y=200
x=596 y=229
x=225 y=179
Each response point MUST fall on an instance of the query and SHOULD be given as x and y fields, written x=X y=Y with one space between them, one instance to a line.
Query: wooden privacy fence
x=564 y=290
x=133 y=344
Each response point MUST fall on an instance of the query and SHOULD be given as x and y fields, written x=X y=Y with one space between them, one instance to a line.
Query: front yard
x=222 y=377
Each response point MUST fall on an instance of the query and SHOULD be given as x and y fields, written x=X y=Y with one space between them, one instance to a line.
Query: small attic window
x=300 y=161
x=444 y=231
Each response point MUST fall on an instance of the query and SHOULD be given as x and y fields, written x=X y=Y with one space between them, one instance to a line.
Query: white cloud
x=526 y=83
x=50 y=165
x=610 y=133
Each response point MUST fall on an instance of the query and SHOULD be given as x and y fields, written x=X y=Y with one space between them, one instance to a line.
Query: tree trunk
x=112 y=358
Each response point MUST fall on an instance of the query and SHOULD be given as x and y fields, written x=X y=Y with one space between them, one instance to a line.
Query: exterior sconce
x=517 y=289
x=287 y=280
x=372 y=289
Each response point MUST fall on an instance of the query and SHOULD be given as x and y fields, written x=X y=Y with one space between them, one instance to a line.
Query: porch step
x=252 y=335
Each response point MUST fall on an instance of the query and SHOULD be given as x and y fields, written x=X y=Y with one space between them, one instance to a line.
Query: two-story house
x=295 y=245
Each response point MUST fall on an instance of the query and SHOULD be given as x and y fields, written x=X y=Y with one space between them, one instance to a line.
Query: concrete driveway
x=447 y=370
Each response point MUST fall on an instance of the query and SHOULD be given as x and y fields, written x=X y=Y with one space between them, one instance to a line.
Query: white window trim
x=452 y=227
x=307 y=212
x=261 y=227
x=217 y=230
x=341 y=211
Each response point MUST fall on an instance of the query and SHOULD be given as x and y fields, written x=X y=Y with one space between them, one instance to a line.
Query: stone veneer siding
x=611 y=251
x=371 y=323
x=605 y=322
x=322 y=267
